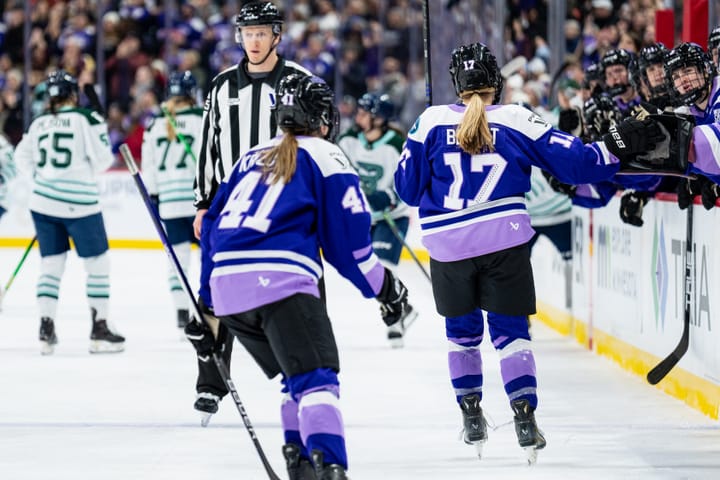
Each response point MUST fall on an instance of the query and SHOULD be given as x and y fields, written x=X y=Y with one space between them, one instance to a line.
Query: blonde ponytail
x=172 y=105
x=473 y=133
x=281 y=160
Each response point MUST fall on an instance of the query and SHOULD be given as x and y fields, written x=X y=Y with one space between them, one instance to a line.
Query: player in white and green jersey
x=374 y=149
x=7 y=171
x=171 y=144
x=64 y=150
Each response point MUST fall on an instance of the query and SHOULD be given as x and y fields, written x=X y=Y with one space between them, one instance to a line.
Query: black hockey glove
x=568 y=120
x=200 y=335
x=631 y=207
x=379 y=200
x=560 y=187
x=393 y=298
x=686 y=191
x=710 y=192
x=631 y=137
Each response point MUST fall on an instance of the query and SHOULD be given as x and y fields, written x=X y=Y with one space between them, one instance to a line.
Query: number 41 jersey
x=63 y=153
x=472 y=205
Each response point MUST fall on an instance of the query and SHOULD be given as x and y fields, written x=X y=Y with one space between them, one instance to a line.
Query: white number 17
x=478 y=163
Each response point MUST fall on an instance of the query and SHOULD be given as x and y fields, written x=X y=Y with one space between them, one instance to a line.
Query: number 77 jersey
x=471 y=205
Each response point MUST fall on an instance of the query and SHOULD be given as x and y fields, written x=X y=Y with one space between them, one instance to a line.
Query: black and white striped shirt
x=236 y=117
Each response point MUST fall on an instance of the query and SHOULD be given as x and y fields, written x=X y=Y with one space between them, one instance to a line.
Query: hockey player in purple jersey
x=467 y=167
x=261 y=238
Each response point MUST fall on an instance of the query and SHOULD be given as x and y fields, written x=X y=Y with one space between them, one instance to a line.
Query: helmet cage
x=473 y=67
x=616 y=57
x=652 y=55
x=688 y=55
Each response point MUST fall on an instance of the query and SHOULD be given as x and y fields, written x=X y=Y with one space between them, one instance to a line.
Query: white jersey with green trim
x=168 y=167
x=7 y=169
x=376 y=163
x=546 y=206
x=64 y=152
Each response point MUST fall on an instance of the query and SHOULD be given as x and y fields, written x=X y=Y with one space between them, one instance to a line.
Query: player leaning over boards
x=64 y=150
x=169 y=152
x=374 y=148
x=467 y=166
x=236 y=118
x=283 y=202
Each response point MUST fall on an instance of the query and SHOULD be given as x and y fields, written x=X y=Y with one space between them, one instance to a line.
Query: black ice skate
x=323 y=471
x=474 y=425
x=298 y=468
x=102 y=339
x=530 y=437
x=47 y=336
x=207 y=404
x=396 y=331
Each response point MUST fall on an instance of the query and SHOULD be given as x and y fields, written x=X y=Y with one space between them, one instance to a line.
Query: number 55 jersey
x=63 y=152
x=472 y=205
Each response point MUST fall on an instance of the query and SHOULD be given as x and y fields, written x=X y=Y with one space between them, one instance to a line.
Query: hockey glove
x=393 y=298
x=710 y=193
x=200 y=334
x=569 y=120
x=631 y=207
x=560 y=187
x=631 y=137
x=686 y=191
x=379 y=200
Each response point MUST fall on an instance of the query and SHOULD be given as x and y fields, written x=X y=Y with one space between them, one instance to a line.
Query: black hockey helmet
x=689 y=55
x=303 y=102
x=182 y=84
x=61 y=85
x=653 y=54
x=617 y=56
x=377 y=105
x=714 y=40
x=473 y=67
x=260 y=13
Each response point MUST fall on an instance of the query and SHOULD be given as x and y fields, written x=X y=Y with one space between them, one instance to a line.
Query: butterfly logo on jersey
x=263 y=281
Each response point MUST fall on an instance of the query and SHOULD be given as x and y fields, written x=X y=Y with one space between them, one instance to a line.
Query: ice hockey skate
x=324 y=471
x=396 y=331
x=298 y=468
x=530 y=437
x=207 y=404
x=102 y=339
x=47 y=336
x=474 y=424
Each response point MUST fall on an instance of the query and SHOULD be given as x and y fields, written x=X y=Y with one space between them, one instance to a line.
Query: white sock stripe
x=517 y=345
x=319 y=398
x=454 y=347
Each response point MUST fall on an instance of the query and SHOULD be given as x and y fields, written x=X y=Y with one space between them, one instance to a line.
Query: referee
x=237 y=116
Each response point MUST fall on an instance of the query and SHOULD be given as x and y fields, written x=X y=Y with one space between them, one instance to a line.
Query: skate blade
x=101 y=346
x=205 y=419
x=47 y=348
x=531 y=453
x=479 y=447
x=396 y=342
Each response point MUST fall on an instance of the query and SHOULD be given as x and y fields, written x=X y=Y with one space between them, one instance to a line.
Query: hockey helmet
x=61 y=85
x=616 y=57
x=473 y=67
x=259 y=13
x=689 y=55
x=377 y=105
x=182 y=84
x=303 y=102
x=714 y=40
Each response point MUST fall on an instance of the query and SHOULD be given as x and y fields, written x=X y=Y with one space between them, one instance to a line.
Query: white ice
x=124 y=416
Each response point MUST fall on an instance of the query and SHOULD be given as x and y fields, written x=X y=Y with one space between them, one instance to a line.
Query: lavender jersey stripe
x=428 y=218
x=289 y=414
x=459 y=342
x=707 y=149
x=375 y=277
x=321 y=426
x=362 y=253
x=242 y=292
x=479 y=238
x=517 y=365
x=429 y=226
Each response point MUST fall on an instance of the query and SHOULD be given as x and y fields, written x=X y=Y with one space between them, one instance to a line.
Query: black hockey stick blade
x=655 y=375
x=92 y=96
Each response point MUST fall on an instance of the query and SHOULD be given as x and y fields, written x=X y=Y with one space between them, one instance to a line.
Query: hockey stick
x=663 y=368
x=17 y=269
x=222 y=368
x=179 y=135
x=394 y=228
x=92 y=96
x=426 y=53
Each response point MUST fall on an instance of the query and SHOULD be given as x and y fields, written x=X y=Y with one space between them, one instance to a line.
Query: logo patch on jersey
x=535 y=118
x=515 y=226
x=339 y=158
x=415 y=126
x=263 y=281
x=272 y=99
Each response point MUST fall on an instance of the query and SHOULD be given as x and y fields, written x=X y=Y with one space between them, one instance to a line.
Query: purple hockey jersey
x=471 y=205
x=261 y=241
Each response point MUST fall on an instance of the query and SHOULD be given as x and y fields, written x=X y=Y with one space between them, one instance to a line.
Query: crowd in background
x=363 y=46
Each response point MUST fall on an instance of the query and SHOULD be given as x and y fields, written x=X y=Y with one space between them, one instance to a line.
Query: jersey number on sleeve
x=61 y=143
x=239 y=203
x=496 y=164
